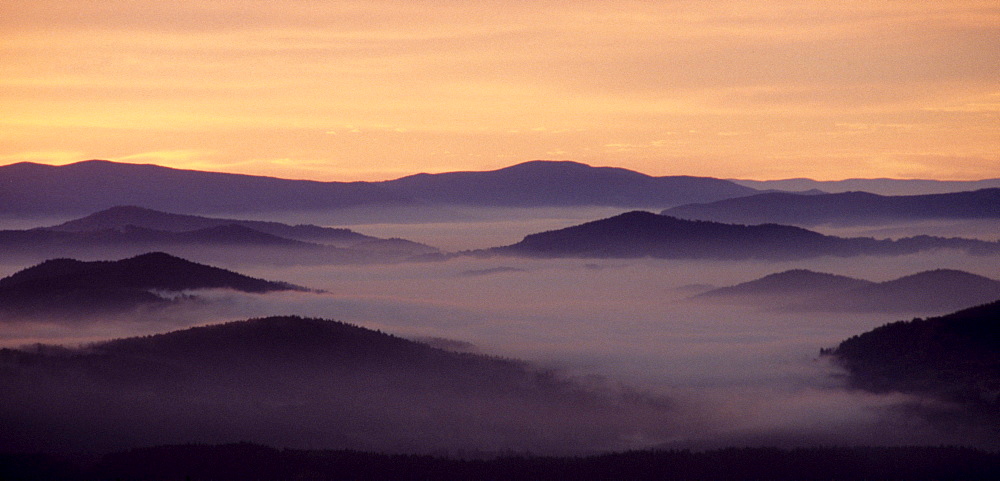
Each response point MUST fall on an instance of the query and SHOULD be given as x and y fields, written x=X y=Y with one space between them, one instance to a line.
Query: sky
x=374 y=90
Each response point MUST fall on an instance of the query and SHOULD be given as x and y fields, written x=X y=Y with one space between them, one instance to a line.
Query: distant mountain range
x=848 y=208
x=644 y=234
x=955 y=357
x=299 y=382
x=44 y=190
x=128 y=230
x=875 y=186
x=75 y=289
x=562 y=183
x=33 y=190
x=941 y=290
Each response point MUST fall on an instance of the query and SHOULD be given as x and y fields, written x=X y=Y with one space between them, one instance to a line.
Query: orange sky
x=369 y=90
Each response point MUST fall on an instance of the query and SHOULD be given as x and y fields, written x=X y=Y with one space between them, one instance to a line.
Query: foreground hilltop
x=300 y=382
x=955 y=357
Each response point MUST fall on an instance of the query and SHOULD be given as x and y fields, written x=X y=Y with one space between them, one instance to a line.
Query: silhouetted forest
x=954 y=357
x=70 y=286
x=299 y=382
x=250 y=462
x=644 y=234
x=126 y=231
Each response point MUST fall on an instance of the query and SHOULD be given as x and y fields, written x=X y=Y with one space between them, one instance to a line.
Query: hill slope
x=955 y=357
x=643 y=234
x=74 y=288
x=552 y=183
x=300 y=382
x=32 y=190
x=937 y=291
x=796 y=283
x=120 y=217
x=127 y=231
x=848 y=208
x=35 y=189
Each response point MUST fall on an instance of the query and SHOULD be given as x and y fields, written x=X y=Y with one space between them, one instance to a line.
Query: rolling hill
x=562 y=183
x=44 y=190
x=875 y=186
x=936 y=291
x=955 y=357
x=792 y=283
x=128 y=231
x=72 y=288
x=121 y=217
x=644 y=234
x=848 y=208
x=299 y=382
x=35 y=190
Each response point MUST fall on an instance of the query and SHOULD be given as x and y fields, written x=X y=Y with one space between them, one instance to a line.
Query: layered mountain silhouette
x=955 y=357
x=128 y=230
x=796 y=282
x=562 y=183
x=644 y=234
x=299 y=382
x=36 y=189
x=43 y=190
x=72 y=288
x=881 y=186
x=848 y=208
x=940 y=290
x=121 y=217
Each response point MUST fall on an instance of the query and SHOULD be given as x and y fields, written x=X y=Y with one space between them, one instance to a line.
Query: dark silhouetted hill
x=298 y=382
x=643 y=234
x=941 y=290
x=72 y=287
x=562 y=183
x=796 y=283
x=121 y=217
x=848 y=208
x=955 y=357
x=245 y=461
x=128 y=231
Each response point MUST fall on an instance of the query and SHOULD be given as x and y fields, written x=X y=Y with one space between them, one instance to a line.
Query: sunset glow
x=378 y=89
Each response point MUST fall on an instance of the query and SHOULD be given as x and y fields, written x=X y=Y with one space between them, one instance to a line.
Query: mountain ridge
x=847 y=208
x=934 y=291
x=88 y=186
x=639 y=234
x=69 y=288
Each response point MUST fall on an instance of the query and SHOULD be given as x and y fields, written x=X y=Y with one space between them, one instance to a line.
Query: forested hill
x=300 y=382
x=955 y=357
x=69 y=286
x=644 y=234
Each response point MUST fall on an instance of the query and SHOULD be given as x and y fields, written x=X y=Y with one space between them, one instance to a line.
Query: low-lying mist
x=736 y=375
